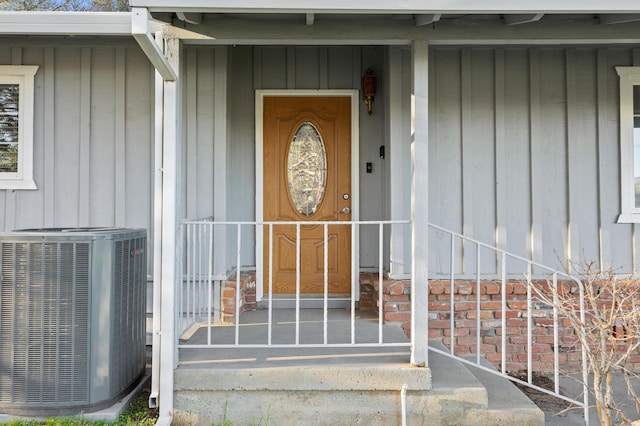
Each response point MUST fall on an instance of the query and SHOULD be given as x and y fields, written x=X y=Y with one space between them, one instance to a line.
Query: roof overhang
x=388 y=7
x=66 y=23
x=134 y=24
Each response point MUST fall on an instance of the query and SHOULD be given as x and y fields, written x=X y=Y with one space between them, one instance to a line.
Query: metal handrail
x=554 y=274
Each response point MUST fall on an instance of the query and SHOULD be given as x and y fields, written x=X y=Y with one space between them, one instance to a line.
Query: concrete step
x=507 y=404
x=446 y=393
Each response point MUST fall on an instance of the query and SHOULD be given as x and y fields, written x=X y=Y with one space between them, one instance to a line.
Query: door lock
x=345 y=210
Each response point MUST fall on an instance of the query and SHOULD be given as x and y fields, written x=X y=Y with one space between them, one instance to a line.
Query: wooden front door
x=307 y=177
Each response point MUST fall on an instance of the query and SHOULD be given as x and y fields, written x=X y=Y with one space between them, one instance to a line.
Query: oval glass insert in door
x=306 y=169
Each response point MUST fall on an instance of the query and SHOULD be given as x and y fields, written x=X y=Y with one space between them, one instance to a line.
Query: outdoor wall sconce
x=369 y=89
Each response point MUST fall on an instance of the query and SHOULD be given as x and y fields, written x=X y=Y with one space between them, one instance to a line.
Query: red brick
x=517 y=305
x=436 y=287
x=466 y=341
x=396 y=298
x=462 y=350
x=465 y=306
x=434 y=334
x=483 y=315
x=229 y=292
x=491 y=306
x=465 y=324
x=491 y=288
x=538 y=347
x=508 y=314
x=457 y=332
x=519 y=289
x=396 y=288
x=439 y=324
x=439 y=306
x=404 y=307
x=397 y=316
x=463 y=287
x=494 y=357
x=390 y=307
x=517 y=322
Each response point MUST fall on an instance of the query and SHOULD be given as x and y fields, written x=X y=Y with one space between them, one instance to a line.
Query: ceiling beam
x=140 y=31
x=192 y=18
x=311 y=18
x=427 y=19
x=520 y=19
x=619 y=18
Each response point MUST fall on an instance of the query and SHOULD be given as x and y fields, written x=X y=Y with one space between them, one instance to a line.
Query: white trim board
x=355 y=176
x=385 y=6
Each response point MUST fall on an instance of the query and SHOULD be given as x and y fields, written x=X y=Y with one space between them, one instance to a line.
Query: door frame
x=355 y=175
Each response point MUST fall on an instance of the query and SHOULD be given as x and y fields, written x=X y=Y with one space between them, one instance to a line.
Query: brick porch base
x=396 y=300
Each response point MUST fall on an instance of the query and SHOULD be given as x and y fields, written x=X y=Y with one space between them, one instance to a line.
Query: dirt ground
x=561 y=413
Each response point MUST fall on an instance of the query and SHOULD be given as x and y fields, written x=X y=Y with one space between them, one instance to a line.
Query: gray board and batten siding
x=523 y=154
x=93 y=135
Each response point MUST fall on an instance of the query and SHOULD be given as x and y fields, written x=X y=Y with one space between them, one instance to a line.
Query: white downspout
x=157 y=237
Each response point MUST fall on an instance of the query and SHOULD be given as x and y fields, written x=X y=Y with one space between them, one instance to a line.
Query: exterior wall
x=93 y=136
x=273 y=67
x=524 y=154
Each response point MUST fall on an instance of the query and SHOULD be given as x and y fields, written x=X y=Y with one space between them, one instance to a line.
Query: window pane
x=9 y=127
x=307 y=169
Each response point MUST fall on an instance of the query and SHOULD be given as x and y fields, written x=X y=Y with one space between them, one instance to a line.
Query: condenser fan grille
x=44 y=322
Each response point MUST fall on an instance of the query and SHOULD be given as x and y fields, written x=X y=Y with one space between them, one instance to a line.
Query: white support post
x=419 y=204
x=171 y=172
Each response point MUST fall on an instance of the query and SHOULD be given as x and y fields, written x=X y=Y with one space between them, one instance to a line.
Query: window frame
x=23 y=76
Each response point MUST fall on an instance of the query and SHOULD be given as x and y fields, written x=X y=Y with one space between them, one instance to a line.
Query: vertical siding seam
x=570 y=75
x=48 y=135
x=534 y=128
x=191 y=130
x=220 y=135
x=466 y=204
x=323 y=77
x=10 y=203
x=257 y=68
x=357 y=67
x=499 y=148
x=120 y=142
x=291 y=67
x=601 y=111
x=84 y=180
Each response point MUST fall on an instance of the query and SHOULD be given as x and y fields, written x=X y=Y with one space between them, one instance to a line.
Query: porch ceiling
x=263 y=28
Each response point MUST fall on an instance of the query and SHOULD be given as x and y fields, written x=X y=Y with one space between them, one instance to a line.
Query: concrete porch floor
x=253 y=330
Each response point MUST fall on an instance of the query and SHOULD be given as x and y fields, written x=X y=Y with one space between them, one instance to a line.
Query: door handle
x=345 y=210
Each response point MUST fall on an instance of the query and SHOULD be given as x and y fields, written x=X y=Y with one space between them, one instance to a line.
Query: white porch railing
x=199 y=296
x=205 y=268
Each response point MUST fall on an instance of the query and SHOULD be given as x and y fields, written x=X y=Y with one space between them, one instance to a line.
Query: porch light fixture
x=369 y=89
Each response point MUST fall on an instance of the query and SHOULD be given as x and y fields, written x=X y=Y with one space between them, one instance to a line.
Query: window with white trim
x=16 y=126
